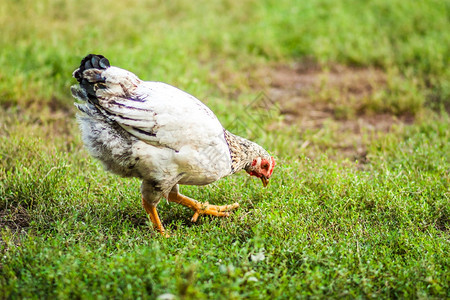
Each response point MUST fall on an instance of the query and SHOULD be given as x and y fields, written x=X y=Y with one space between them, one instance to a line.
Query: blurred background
x=342 y=66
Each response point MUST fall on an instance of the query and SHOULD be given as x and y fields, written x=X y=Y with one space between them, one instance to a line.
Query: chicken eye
x=265 y=166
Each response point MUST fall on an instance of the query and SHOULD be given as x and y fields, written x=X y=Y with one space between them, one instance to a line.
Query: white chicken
x=158 y=133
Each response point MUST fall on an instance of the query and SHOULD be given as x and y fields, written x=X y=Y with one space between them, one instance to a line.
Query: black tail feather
x=91 y=61
x=85 y=90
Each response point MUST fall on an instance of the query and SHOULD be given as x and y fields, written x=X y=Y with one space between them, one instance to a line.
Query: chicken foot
x=202 y=208
x=151 y=210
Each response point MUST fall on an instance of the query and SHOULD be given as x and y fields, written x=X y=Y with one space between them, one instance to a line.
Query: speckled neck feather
x=242 y=151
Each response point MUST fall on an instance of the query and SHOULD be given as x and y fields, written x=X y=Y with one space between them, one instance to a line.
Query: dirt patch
x=312 y=95
x=51 y=119
x=335 y=99
x=15 y=218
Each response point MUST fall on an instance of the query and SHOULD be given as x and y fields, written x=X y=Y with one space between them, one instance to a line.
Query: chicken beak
x=264 y=180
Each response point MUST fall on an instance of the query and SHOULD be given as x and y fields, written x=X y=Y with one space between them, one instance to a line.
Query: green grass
x=325 y=228
x=328 y=225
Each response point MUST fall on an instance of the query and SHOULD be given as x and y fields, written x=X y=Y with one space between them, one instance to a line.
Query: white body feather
x=173 y=137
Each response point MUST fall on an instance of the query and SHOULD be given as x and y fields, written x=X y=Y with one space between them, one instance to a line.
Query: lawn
x=351 y=97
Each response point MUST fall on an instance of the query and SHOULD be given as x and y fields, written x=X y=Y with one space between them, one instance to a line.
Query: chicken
x=160 y=134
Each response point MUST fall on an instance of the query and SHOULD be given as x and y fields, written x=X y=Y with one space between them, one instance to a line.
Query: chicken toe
x=202 y=208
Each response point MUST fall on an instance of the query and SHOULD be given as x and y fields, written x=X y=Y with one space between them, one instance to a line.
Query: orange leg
x=202 y=208
x=151 y=210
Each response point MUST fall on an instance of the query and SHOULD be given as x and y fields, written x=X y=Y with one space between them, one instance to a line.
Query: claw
x=195 y=217
x=202 y=208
